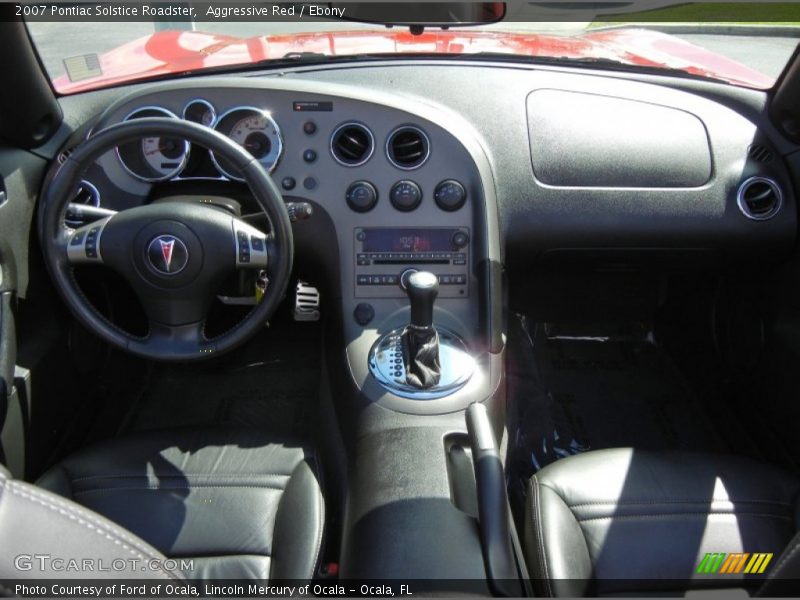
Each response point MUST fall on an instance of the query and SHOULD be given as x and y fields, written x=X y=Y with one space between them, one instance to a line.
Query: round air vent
x=352 y=144
x=407 y=147
x=759 y=198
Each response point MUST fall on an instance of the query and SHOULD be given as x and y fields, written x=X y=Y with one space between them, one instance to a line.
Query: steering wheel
x=175 y=255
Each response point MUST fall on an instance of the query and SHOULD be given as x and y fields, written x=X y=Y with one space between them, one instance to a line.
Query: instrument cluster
x=154 y=159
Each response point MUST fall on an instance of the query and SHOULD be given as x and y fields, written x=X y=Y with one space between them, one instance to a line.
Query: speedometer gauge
x=254 y=130
x=153 y=158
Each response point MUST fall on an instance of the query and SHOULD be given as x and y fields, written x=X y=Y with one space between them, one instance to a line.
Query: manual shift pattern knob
x=422 y=288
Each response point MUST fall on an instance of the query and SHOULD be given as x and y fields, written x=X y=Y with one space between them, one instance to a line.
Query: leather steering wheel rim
x=55 y=235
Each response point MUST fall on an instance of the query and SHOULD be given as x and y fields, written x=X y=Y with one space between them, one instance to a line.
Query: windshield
x=86 y=47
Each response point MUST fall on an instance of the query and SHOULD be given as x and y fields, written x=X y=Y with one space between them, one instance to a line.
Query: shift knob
x=422 y=288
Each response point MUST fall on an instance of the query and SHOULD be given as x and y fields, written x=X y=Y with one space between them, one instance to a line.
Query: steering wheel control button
x=364 y=313
x=361 y=196
x=77 y=238
x=405 y=195
x=251 y=246
x=460 y=239
x=310 y=156
x=450 y=195
x=288 y=183
x=167 y=254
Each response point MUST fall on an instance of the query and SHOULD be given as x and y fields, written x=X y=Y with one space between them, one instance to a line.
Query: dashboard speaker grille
x=352 y=144
x=408 y=148
x=759 y=198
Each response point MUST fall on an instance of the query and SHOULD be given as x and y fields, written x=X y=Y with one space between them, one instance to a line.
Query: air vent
x=407 y=148
x=759 y=153
x=352 y=144
x=759 y=198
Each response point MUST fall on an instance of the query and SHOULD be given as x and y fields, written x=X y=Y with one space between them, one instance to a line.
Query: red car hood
x=168 y=52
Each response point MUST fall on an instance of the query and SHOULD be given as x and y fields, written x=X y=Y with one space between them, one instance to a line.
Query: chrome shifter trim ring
x=386 y=363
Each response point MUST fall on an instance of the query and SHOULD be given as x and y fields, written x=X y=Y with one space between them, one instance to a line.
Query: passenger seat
x=632 y=522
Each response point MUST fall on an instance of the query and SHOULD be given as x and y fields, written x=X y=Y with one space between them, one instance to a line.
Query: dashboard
x=471 y=170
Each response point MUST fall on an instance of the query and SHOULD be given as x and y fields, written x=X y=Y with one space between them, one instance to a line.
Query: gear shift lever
x=420 y=339
x=422 y=288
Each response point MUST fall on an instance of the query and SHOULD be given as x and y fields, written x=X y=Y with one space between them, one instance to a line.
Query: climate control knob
x=450 y=195
x=405 y=195
x=361 y=196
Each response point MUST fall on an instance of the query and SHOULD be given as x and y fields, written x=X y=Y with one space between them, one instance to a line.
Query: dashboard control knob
x=361 y=196
x=288 y=183
x=405 y=195
x=364 y=313
x=309 y=128
x=460 y=239
x=450 y=195
x=309 y=183
x=309 y=155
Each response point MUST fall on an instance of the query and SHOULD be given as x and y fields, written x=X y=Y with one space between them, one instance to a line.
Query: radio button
x=362 y=280
x=460 y=239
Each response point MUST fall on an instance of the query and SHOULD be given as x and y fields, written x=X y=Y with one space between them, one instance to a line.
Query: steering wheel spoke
x=83 y=244
x=164 y=340
x=252 y=246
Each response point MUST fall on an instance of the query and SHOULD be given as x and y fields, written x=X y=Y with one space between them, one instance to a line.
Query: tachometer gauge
x=254 y=130
x=153 y=158
x=200 y=111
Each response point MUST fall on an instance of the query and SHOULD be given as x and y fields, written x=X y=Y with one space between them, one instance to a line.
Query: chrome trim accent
x=269 y=118
x=352 y=124
x=200 y=101
x=743 y=205
x=184 y=158
x=457 y=366
x=397 y=130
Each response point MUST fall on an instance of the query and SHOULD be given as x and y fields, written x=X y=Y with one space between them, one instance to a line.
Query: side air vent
x=407 y=147
x=759 y=153
x=87 y=195
x=352 y=144
x=759 y=198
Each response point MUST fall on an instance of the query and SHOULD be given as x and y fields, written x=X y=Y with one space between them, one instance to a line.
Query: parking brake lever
x=493 y=512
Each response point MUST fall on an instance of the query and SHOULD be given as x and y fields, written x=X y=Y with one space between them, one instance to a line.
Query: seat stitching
x=691 y=514
x=181 y=487
x=82 y=519
x=540 y=536
x=649 y=502
x=166 y=476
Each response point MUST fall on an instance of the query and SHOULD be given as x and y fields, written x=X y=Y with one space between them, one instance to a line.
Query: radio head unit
x=383 y=254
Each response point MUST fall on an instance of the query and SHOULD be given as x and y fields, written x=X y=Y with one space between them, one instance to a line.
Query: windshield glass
x=746 y=44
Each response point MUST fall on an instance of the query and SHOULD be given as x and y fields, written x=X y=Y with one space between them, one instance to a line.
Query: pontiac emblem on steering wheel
x=167 y=254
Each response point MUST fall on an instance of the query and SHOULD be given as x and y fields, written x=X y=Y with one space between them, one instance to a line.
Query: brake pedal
x=306 y=302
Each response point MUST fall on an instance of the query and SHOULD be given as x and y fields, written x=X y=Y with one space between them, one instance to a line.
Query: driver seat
x=236 y=502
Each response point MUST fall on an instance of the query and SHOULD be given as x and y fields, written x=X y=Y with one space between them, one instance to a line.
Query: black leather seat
x=236 y=502
x=622 y=521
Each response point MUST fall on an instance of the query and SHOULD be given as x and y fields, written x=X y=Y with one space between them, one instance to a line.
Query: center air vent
x=407 y=147
x=352 y=144
x=759 y=198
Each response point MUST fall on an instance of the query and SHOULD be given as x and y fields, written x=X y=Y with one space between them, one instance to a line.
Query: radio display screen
x=408 y=240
